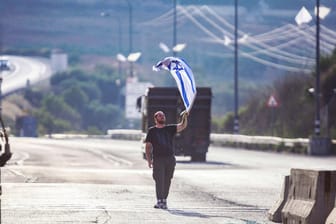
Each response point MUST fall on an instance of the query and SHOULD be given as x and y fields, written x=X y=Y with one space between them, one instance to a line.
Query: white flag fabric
x=183 y=76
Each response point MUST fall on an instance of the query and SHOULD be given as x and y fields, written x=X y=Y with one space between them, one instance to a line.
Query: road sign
x=272 y=102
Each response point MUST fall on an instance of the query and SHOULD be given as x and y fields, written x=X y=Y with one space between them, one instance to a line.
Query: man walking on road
x=160 y=154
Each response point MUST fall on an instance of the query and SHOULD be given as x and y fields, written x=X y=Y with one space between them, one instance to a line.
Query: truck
x=194 y=141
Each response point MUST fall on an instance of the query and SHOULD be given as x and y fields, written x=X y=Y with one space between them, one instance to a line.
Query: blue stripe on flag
x=184 y=94
x=189 y=76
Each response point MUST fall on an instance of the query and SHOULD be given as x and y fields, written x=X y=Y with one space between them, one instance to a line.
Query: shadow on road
x=187 y=213
x=214 y=163
x=200 y=215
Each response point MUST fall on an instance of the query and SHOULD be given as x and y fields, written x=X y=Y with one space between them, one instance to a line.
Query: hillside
x=77 y=27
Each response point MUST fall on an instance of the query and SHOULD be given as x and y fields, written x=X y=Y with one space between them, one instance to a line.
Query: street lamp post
x=236 y=118
x=328 y=106
x=333 y=93
x=130 y=34
x=106 y=14
x=317 y=79
x=174 y=31
x=130 y=29
x=318 y=145
x=130 y=26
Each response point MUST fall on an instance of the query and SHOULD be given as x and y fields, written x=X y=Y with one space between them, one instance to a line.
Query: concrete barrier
x=320 y=146
x=332 y=216
x=311 y=197
x=274 y=213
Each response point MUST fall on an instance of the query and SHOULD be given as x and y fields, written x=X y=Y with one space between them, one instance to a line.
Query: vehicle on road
x=4 y=64
x=195 y=139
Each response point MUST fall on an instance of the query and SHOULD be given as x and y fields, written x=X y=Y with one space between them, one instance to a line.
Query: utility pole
x=318 y=145
x=317 y=79
x=236 y=102
x=174 y=30
x=130 y=31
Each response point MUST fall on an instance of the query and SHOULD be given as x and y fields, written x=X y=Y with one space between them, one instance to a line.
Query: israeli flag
x=183 y=76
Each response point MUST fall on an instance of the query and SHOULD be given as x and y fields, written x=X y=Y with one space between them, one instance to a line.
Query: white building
x=59 y=61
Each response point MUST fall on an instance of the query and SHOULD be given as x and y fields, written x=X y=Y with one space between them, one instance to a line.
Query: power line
x=290 y=45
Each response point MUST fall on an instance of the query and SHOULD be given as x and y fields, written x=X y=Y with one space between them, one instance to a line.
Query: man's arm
x=149 y=154
x=184 y=122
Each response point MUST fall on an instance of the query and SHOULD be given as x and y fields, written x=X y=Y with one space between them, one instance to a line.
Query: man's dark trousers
x=163 y=172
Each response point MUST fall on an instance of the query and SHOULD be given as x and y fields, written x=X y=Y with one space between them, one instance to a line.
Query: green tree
x=102 y=116
x=295 y=115
x=58 y=108
x=91 y=90
x=49 y=124
x=75 y=97
x=81 y=101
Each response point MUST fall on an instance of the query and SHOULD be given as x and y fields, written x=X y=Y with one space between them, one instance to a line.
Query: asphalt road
x=24 y=70
x=107 y=181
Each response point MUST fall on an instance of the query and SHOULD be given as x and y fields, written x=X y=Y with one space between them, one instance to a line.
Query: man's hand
x=184 y=114
x=184 y=121
x=148 y=154
x=150 y=163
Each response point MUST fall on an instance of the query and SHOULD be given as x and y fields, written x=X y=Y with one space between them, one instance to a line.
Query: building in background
x=134 y=89
x=26 y=126
x=59 y=61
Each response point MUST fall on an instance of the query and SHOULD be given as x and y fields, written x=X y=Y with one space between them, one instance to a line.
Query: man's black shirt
x=162 y=140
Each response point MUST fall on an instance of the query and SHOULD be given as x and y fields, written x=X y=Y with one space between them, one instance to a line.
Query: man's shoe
x=164 y=204
x=158 y=204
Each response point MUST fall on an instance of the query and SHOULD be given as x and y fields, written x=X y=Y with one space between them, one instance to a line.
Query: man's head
x=159 y=118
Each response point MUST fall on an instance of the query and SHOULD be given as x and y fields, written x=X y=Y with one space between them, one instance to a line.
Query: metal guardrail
x=127 y=134
x=269 y=143
x=265 y=143
x=267 y=140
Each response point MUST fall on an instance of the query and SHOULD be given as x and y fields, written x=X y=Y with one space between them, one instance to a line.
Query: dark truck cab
x=195 y=139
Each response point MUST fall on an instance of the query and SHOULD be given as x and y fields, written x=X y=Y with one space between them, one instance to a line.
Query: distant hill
x=78 y=28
